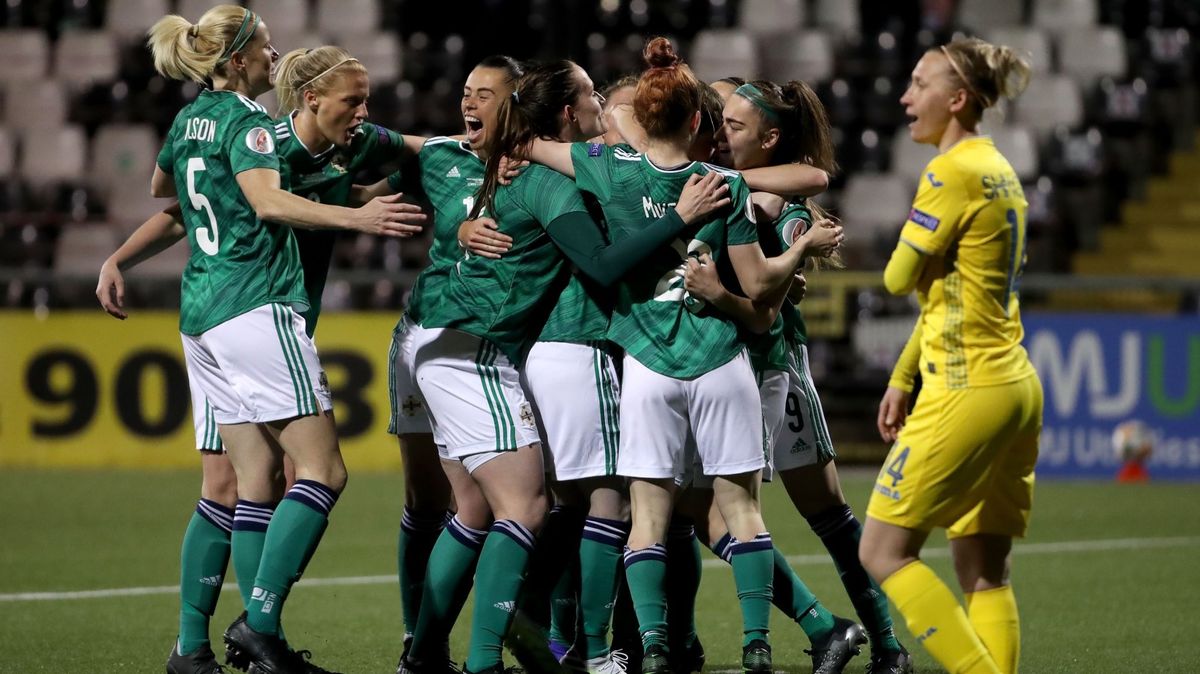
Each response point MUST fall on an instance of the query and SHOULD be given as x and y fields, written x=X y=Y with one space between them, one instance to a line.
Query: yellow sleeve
x=903 y=269
x=942 y=198
x=905 y=372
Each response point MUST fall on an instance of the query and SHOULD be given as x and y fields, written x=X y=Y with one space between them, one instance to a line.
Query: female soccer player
x=964 y=458
x=686 y=374
x=490 y=310
x=764 y=124
x=244 y=341
x=321 y=142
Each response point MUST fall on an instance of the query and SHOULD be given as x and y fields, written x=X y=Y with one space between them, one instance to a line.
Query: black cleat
x=890 y=662
x=756 y=658
x=410 y=665
x=844 y=642
x=690 y=658
x=656 y=660
x=200 y=661
x=258 y=653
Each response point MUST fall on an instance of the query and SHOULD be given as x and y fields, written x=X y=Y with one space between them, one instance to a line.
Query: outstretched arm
x=553 y=154
x=385 y=216
x=787 y=179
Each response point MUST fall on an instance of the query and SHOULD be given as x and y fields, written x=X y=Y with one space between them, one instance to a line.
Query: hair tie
x=516 y=97
x=243 y=36
x=194 y=31
x=966 y=82
x=325 y=72
x=755 y=95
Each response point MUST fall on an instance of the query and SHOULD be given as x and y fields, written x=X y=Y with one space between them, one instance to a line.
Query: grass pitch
x=1107 y=581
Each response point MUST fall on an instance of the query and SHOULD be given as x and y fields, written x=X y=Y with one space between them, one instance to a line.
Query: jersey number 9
x=206 y=237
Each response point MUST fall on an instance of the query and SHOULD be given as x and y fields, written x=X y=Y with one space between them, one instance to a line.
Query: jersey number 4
x=206 y=237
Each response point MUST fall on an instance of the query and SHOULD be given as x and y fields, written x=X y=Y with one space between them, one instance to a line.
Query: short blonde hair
x=186 y=51
x=303 y=70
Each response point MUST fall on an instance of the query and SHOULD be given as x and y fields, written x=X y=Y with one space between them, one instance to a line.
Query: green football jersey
x=795 y=219
x=238 y=262
x=326 y=177
x=655 y=320
x=768 y=350
x=507 y=300
x=583 y=309
x=450 y=175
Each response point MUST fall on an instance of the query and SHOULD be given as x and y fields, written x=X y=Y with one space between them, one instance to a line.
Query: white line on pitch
x=1100 y=545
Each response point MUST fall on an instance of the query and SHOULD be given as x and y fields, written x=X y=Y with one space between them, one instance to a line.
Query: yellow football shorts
x=964 y=461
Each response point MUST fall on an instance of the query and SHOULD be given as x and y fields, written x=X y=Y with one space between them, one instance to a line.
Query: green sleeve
x=740 y=223
x=380 y=144
x=548 y=194
x=592 y=162
x=394 y=182
x=251 y=144
x=166 y=156
x=793 y=222
x=579 y=238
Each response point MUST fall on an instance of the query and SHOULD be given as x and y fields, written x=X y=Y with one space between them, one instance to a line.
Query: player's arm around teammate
x=243 y=341
x=964 y=458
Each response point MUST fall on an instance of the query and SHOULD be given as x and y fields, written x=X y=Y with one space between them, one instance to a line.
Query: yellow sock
x=993 y=614
x=935 y=617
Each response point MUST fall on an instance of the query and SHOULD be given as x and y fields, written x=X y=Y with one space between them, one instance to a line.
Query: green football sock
x=645 y=571
x=250 y=522
x=418 y=534
x=683 y=580
x=292 y=536
x=203 y=560
x=448 y=581
x=752 y=571
x=840 y=531
x=797 y=602
x=600 y=575
x=497 y=585
x=564 y=607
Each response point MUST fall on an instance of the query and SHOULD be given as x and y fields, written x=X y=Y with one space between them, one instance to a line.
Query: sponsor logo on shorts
x=527 y=415
x=323 y=382
x=801 y=445
x=259 y=140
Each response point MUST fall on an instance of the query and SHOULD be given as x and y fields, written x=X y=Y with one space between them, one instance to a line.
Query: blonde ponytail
x=988 y=72
x=302 y=70
x=186 y=51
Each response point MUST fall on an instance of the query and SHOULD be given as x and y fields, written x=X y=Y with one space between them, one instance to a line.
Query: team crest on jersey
x=259 y=140
x=338 y=163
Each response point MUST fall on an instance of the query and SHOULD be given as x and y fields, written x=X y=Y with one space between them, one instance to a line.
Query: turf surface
x=1107 y=581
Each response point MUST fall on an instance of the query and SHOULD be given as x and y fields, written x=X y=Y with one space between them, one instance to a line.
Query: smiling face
x=482 y=93
x=931 y=98
x=744 y=134
x=342 y=108
x=257 y=59
x=588 y=108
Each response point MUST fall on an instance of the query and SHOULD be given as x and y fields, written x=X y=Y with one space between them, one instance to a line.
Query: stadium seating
x=288 y=17
x=1089 y=53
x=766 y=17
x=25 y=55
x=128 y=20
x=1060 y=15
x=1030 y=42
x=345 y=18
x=86 y=57
x=35 y=104
x=990 y=14
x=720 y=53
x=800 y=55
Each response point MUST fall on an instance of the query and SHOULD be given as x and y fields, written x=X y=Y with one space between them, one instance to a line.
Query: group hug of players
x=600 y=364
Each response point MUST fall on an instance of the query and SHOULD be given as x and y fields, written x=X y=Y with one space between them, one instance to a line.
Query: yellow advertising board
x=81 y=389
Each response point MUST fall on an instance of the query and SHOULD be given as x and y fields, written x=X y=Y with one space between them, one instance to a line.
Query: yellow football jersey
x=969 y=219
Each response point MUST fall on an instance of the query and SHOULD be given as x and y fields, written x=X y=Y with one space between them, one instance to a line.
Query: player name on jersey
x=200 y=128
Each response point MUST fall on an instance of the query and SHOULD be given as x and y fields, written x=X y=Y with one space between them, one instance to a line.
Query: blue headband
x=755 y=95
x=243 y=36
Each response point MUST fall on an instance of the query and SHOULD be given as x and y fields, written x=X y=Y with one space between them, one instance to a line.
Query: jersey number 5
x=206 y=237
